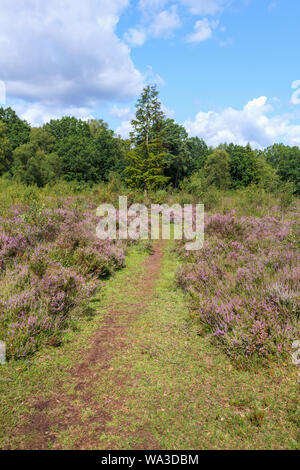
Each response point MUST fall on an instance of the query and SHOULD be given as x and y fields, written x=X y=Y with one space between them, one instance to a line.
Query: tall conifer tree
x=146 y=159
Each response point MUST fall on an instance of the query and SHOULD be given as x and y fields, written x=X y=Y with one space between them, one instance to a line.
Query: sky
x=227 y=70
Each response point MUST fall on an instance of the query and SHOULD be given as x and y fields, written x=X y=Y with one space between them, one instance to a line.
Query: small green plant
x=38 y=266
x=92 y=263
x=211 y=198
x=257 y=417
x=286 y=195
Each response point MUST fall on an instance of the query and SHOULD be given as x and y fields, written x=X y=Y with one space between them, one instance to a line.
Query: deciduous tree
x=217 y=169
x=6 y=156
x=17 y=130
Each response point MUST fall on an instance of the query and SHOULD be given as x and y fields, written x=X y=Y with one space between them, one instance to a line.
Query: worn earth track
x=64 y=411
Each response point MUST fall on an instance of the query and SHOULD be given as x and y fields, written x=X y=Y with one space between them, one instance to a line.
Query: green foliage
x=6 y=155
x=197 y=189
x=211 y=198
x=177 y=158
x=145 y=167
x=149 y=117
x=17 y=130
x=88 y=152
x=198 y=151
x=195 y=185
x=69 y=148
x=159 y=196
x=185 y=198
x=108 y=150
x=274 y=154
x=243 y=165
x=109 y=192
x=267 y=176
x=78 y=156
x=286 y=194
x=184 y=156
x=39 y=266
x=67 y=127
x=146 y=161
x=92 y=263
x=287 y=162
x=217 y=169
x=36 y=162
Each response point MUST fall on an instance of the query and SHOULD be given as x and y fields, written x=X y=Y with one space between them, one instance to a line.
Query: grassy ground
x=163 y=386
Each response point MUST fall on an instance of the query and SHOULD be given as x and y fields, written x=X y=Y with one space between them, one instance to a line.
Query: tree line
x=158 y=154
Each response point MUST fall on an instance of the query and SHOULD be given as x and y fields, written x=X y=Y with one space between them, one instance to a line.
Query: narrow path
x=138 y=376
x=67 y=412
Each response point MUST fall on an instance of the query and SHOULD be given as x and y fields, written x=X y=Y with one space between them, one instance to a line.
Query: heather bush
x=224 y=226
x=91 y=262
x=50 y=262
x=245 y=283
x=39 y=262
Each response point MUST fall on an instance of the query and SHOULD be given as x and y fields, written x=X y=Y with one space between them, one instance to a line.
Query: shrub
x=50 y=263
x=39 y=263
x=244 y=286
x=91 y=262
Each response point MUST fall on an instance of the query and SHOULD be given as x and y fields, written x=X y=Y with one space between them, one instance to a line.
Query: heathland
x=122 y=344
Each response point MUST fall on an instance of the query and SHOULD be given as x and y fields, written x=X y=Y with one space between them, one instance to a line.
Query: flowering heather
x=245 y=283
x=50 y=264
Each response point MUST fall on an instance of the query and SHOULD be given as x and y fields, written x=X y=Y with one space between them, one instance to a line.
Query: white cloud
x=227 y=42
x=37 y=114
x=153 y=78
x=65 y=54
x=273 y=5
x=2 y=93
x=203 y=30
x=135 y=37
x=152 y=4
x=121 y=113
x=196 y=7
x=168 y=112
x=295 y=99
x=162 y=23
x=165 y=23
x=250 y=124
x=156 y=21
x=124 y=129
x=205 y=7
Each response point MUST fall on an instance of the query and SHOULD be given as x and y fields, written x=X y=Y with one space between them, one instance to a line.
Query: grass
x=166 y=388
x=21 y=381
x=185 y=394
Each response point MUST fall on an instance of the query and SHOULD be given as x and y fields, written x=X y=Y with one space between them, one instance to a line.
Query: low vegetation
x=51 y=262
x=244 y=283
x=199 y=342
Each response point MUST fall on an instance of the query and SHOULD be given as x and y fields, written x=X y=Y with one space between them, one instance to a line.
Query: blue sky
x=228 y=70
